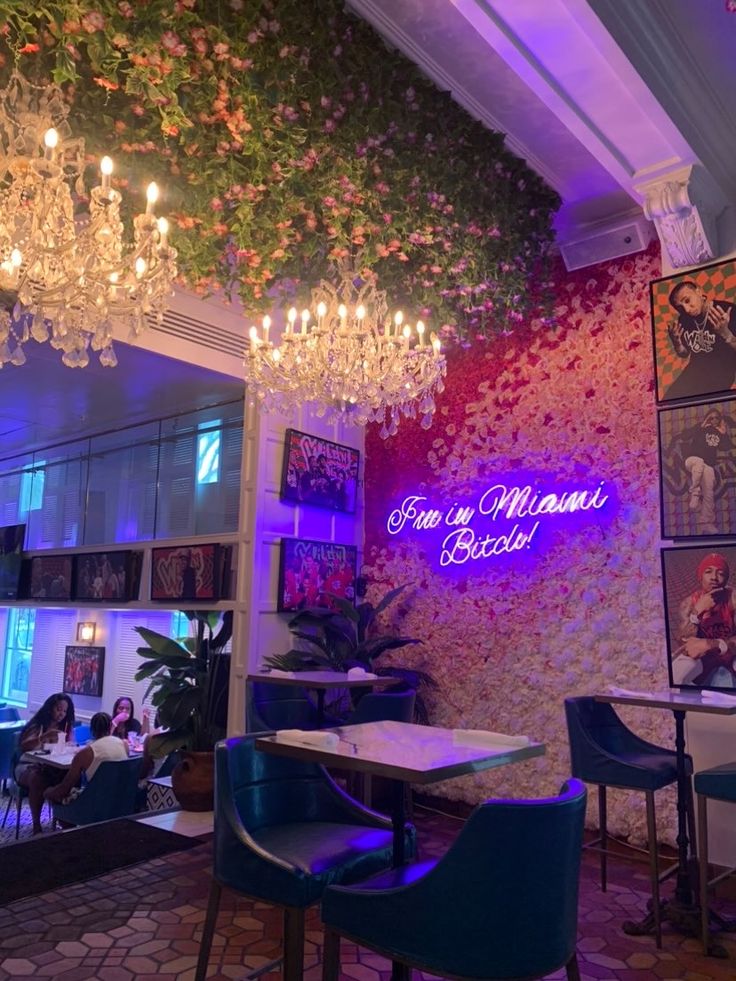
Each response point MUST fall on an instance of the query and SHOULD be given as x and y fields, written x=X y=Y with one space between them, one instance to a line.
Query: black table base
x=685 y=919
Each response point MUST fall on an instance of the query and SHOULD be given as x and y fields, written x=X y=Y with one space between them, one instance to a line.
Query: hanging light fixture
x=65 y=277
x=350 y=357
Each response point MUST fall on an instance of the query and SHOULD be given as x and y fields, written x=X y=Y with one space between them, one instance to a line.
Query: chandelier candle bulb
x=163 y=231
x=106 y=170
x=266 y=325
x=420 y=332
x=291 y=319
x=151 y=197
x=305 y=321
x=51 y=141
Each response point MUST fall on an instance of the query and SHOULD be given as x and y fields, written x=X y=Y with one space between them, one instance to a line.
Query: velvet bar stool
x=605 y=752
x=284 y=831
x=501 y=903
x=718 y=783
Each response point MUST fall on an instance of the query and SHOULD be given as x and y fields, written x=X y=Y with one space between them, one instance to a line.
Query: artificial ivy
x=286 y=135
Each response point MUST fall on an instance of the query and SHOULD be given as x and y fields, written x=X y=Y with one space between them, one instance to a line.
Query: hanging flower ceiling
x=288 y=137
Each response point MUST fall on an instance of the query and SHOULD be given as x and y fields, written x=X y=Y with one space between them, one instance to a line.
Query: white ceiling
x=598 y=96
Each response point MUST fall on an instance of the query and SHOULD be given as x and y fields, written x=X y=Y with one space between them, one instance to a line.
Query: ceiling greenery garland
x=286 y=135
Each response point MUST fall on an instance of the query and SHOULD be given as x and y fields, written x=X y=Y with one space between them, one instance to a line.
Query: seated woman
x=124 y=721
x=103 y=746
x=55 y=716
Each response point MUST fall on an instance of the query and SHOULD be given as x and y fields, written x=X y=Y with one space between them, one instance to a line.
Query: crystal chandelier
x=68 y=277
x=350 y=357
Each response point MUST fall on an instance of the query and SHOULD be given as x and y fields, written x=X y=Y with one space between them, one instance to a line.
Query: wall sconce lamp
x=86 y=632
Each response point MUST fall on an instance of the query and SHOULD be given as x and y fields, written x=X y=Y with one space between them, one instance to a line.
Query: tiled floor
x=143 y=923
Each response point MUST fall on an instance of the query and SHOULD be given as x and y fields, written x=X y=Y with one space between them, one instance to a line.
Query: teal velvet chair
x=718 y=783
x=284 y=831
x=9 y=714
x=501 y=903
x=606 y=752
x=379 y=706
x=111 y=793
x=8 y=742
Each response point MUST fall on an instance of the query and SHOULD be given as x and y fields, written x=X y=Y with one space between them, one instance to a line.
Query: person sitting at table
x=103 y=746
x=55 y=716
x=124 y=721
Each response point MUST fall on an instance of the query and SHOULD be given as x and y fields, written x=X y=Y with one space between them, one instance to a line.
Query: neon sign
x=504 y=519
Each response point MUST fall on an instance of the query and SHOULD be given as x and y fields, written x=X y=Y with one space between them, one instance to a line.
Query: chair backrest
x=384 y=706
x=8 y=744
x=111 y=793
x=593 y=726
x=168 y=764
x=513 y=871
x=81 y=733
x=276 y=706
x=9 y=714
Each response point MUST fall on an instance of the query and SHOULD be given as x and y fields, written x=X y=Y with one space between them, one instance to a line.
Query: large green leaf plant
x=347 y=637
x=183 y=679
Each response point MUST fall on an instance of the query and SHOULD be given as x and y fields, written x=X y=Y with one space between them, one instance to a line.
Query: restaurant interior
x=381 y=449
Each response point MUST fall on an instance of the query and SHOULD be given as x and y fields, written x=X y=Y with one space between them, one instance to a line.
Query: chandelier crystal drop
x=350 y=357
x=67 y=274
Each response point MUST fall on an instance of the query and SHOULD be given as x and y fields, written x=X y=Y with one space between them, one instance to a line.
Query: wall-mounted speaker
x=607 y=243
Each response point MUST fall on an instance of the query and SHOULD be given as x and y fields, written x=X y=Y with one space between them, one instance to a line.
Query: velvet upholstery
x=111 y=793
x=382 y=706
x=9 y=713
x=8 y=741
x=605 y=752
x=280 y=707
x=16 y=793
x=284 y=831
x=82 y=733
x=717 y=783
x=512 y=872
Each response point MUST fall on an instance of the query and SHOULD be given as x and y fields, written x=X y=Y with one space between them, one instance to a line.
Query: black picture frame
x=187 y=573
x=50 y=577
x=697 y=469
x=311 y=570
x=11 y=560
x=105 y=577
x=319 y=472
x=685 y=572
x=706 y=362
x=84 y=670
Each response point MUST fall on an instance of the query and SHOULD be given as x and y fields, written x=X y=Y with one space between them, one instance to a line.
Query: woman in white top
x=102 y=747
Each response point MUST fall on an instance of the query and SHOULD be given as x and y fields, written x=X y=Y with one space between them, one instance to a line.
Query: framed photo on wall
x=700 y=613
x=697 y=469
x=316 y=471
x=51 y=577
x=84 y=668
x=310 y=571
x=101 y=577
x=189 y=572
x=694 y=328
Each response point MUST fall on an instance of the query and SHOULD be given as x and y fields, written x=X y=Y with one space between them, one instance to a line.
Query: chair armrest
x=354 y=808
x=236 y=826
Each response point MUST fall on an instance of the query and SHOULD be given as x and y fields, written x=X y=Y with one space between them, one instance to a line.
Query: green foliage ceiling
x=285 y=135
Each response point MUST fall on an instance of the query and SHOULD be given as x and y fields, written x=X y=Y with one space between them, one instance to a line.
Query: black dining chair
x=717 y=783
x=284 y=831
x=605 y=752
x=501 y=903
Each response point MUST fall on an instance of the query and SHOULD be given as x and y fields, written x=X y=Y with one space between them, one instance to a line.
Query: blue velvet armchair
x=111 y=793
x=284 y=831
x=501 y=903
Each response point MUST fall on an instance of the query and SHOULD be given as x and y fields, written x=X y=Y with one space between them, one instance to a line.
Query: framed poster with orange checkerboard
x=694 y=331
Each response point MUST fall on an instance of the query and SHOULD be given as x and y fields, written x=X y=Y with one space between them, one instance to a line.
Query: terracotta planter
x=193 y=781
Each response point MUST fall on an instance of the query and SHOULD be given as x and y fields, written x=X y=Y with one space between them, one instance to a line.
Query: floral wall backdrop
x=509 y=640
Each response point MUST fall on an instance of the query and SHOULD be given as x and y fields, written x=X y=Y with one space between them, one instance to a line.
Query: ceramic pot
x=193 y=781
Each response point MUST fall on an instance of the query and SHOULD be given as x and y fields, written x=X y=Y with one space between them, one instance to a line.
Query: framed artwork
x=51 y=577
x=310 y=571
x=190 y=572
x=103 y=577
x=11 y=559
x=319 y=472
x=700 y=613
x=694 y=328
x=84 y=668
x=697 y=469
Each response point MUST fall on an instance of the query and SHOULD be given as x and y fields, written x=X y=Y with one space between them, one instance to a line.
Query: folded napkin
x=480 y=737
x=278 y=673
x=718 y=696
x=319 y=739
x=627 y=691
x=358 y=674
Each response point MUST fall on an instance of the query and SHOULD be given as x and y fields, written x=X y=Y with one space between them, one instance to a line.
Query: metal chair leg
x=18 y=805
x=208 y=931
x=703 y=870
x=572 y=969
x=293 y=943
x=331 y=955
x=5 y=818
x=603 y=824
x=654 y=866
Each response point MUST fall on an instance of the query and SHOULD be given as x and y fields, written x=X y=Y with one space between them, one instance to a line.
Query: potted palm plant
x=187 y=679
x=347 y=637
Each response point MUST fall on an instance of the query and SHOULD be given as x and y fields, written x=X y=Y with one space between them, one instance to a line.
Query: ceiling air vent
x=185 y=328
x=607 y=243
